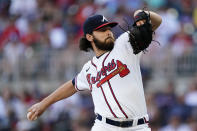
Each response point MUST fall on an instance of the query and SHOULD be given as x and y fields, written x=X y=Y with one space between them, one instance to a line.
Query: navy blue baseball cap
x=96 y=22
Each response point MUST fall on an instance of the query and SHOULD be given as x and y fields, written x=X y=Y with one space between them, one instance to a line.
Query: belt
x=122 y=123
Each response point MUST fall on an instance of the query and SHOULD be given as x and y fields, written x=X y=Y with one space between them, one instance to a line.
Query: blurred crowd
x=39 y=42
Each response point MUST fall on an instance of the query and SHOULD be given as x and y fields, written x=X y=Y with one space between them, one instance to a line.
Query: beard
x=107 y=45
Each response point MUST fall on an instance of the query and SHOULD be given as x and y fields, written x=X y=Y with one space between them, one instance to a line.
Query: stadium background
x=39 y=51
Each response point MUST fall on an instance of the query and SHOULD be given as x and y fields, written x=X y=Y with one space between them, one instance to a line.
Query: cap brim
x=111 y=24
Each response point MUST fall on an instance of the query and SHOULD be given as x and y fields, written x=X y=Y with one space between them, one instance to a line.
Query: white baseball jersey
x=115 y=82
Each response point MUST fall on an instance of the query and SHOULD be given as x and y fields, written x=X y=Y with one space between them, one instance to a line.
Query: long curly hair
x=85 y=45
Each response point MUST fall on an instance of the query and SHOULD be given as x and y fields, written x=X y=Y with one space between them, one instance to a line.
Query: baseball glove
x=140 y=37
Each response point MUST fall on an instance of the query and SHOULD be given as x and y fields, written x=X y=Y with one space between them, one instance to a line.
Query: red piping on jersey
x=93 y=64
x=147 y=122
x=112 y=89
x=108 y=103
x=116 y=100
x=104 y=93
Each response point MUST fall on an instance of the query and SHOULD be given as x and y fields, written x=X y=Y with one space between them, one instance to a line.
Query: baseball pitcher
x=113 y=76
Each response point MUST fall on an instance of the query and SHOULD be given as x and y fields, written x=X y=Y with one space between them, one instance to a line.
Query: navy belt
x=121 y=123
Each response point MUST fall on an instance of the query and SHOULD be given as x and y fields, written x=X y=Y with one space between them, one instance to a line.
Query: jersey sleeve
x=81 y=81
x=123 y=46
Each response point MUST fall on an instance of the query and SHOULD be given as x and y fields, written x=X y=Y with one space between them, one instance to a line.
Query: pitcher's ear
x=89 y=37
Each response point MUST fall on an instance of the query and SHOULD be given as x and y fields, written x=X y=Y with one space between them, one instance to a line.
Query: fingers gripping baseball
x=34 y=112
